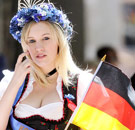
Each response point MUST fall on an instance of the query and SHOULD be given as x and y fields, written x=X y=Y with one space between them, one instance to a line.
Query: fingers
x=21 y=56
x=28 y=70
x=22 y=65
x=22 y=68
x=26 y=63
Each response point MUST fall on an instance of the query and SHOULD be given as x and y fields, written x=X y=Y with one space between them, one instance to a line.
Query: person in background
x=110 y=52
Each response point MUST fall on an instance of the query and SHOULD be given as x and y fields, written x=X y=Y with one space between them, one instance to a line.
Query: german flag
x=107 y=105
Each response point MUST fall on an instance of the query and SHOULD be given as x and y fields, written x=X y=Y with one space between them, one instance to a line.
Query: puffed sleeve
x=84 y=81
x=5 y=81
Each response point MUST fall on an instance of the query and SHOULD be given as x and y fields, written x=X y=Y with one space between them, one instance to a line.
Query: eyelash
x=32 y=41
x=46 y=38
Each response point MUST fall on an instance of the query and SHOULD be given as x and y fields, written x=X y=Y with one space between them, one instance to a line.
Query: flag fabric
x=106 y=105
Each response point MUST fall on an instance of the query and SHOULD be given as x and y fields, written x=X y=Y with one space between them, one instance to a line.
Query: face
x=42 y=45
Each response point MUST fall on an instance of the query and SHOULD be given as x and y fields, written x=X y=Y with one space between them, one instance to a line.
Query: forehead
x=40 y=28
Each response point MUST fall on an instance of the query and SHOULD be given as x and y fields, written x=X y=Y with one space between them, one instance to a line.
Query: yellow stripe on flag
x=90 y=118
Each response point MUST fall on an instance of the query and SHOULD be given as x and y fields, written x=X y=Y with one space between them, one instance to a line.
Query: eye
x=46 y=38
x=31 y=41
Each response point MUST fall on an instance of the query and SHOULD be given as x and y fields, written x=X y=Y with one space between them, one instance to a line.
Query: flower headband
x=41 y=12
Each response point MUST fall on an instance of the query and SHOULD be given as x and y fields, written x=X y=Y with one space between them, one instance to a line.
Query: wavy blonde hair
x=64 y=62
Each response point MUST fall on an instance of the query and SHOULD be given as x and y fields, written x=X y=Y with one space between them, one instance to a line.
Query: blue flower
x=69 y=96
x=43 y=12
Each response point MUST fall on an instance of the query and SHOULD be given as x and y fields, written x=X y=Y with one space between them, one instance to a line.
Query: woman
x=37 y=94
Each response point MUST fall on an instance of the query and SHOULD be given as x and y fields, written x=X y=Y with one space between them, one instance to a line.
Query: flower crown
x=42 y=12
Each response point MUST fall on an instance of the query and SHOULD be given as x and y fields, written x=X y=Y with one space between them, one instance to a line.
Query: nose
x=39 y=46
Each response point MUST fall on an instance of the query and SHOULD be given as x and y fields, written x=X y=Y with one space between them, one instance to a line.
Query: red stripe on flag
x=111 y=103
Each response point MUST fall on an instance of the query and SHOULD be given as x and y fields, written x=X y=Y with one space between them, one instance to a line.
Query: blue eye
x=31 y=41
x=46 y=38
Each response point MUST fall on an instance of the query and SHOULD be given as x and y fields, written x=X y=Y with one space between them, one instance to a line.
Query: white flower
x=20 y=21
x=17 y=32
x=43 y=13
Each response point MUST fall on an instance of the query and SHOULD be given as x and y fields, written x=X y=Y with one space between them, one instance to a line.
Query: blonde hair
x=64 y=62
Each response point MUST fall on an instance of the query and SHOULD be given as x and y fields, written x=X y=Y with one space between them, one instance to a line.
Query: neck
x=53 y=78
x=51 y=72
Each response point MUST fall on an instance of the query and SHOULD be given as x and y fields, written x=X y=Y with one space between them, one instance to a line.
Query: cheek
x=31 y=52
x=52 y=48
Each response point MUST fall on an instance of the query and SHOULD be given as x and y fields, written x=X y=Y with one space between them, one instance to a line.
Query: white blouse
x=52 y=111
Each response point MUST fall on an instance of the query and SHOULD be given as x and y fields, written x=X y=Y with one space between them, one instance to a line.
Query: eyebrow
x=42 y=35
x=46 y=34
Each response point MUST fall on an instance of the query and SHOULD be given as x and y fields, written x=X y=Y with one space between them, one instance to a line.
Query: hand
x=22 y=68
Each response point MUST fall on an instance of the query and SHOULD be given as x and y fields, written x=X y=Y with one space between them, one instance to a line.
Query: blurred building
x=111 y=23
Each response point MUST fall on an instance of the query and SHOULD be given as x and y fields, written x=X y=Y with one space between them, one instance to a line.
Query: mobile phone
x=23 y=58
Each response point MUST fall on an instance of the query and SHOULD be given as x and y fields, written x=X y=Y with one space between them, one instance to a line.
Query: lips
x=40 y=56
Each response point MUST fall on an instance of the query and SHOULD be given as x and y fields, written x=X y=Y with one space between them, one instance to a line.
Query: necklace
x=51 y=72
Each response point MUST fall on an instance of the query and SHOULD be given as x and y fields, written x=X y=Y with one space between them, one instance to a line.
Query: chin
x=41 y=65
